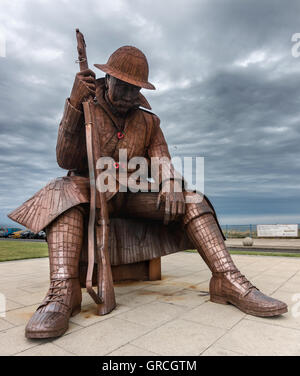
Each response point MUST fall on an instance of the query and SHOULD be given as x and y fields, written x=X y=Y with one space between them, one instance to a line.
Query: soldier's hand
x=83 y=87
x=174 y=201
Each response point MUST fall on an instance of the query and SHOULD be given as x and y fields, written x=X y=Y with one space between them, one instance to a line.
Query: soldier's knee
x=193 y=197
x=196 y=205
x=71 y=218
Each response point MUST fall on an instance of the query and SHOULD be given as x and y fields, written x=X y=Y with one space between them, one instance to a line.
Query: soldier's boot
x=227 y=284
x=64 y=236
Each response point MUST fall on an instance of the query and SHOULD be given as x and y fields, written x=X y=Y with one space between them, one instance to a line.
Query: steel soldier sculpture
x=167 y=221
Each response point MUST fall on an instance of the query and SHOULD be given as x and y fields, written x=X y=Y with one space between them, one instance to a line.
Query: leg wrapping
x=205 y=234
x=65 y=236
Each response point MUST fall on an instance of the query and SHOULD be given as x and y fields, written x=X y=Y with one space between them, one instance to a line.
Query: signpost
x=277 y=230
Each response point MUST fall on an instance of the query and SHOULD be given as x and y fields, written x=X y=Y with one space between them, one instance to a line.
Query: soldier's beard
x=121 y=106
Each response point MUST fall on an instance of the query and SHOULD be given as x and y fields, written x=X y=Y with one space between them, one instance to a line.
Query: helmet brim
x=122 y=76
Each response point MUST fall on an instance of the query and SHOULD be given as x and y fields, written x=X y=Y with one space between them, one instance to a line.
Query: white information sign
x=277 y=230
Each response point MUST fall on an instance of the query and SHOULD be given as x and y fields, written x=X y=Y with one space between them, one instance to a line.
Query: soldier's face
x=123 y=96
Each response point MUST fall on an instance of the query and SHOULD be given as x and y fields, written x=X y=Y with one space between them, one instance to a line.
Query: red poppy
x=120 y=135
x=116 y=165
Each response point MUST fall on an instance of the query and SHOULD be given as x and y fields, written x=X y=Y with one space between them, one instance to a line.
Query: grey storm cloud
x=227 y=90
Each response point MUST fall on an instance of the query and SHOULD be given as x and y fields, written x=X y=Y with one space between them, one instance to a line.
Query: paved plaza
x=169 y=317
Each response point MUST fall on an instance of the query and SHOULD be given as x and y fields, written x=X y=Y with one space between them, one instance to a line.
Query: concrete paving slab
x=291 y=319
x=26 y=299
x=21 y=316
x=47 y=349
x=128 y=286
x=101 y=338
x=131 y=350
x=291 y=285
x=180 y=272
x=285 y=273
x=88 y=315
x=13 y=341
x=137 y=297
x=86 y=298
x=266 y=280
x=36 y=287
x=256 y=338
x=186 y=298
x=192 y=279
x=213 y=314
x=165 y=289
x=10 y=304
x=153 y=314
x=218 y=351
x=5 y=325
x=179 y=337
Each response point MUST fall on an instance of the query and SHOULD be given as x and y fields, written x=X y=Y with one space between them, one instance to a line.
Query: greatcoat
x=131 y=239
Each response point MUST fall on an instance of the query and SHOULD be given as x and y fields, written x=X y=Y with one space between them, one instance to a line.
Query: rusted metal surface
x=143 y=226
x=105 y=298
x=63 y=299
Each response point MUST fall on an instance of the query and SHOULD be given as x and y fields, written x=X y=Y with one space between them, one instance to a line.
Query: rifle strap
x=92 y=216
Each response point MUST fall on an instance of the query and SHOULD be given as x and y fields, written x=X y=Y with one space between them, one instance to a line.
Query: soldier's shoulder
x=151 y=116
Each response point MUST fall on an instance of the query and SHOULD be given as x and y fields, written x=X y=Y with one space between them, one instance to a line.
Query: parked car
x=42 y=235
x=39 y=235
x=27 y=234
x=16 y=234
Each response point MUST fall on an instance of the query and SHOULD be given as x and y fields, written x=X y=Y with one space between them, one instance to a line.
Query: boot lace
x=242 y=280
x=55 y=292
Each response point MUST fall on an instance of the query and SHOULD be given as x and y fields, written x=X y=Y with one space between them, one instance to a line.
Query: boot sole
x=52 y=334
x=269 y=313
x=58 y=333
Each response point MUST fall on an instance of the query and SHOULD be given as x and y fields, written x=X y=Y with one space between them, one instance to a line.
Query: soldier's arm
x=71 y=146
x=158 y=148
x=171 y=182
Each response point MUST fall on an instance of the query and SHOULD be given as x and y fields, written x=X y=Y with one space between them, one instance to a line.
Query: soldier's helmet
x=128 y=64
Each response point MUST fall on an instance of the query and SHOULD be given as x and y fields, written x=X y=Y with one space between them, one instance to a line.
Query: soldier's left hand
x=174 y=200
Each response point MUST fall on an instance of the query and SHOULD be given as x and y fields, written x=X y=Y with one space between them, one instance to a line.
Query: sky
x=228 y=90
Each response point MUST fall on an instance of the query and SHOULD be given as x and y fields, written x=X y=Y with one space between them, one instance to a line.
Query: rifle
x=105 y=299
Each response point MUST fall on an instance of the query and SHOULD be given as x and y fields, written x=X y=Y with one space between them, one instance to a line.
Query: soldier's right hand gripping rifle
x=83 y=92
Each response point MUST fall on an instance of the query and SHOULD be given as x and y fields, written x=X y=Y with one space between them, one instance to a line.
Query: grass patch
x=254 y=253
x=19 y=250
